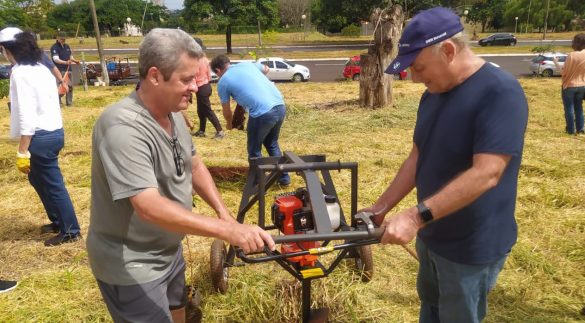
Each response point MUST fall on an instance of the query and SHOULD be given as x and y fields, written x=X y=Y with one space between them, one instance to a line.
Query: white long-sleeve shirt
x=34 y=101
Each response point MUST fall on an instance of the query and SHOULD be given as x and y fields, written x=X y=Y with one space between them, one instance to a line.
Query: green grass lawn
x=543 y=280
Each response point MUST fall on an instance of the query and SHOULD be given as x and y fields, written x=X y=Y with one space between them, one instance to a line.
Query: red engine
x=291 y=215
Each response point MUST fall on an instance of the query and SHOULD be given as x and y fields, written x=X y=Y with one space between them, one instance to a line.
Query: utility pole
x=98 y=39
x=143 y=14
x=528 y=16
x=259 y=30
x=546 y=19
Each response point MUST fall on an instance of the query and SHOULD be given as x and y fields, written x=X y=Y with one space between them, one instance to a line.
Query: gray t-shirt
x=131 y=152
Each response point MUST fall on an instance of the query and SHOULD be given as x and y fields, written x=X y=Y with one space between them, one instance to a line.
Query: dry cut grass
x=543 y=280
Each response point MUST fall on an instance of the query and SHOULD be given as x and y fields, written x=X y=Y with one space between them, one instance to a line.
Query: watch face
x=425 y=212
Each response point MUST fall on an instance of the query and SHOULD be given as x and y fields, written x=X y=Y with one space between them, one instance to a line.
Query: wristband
x=25 y=155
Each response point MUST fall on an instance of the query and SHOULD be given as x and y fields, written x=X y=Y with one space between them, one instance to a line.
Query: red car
x=353 y=69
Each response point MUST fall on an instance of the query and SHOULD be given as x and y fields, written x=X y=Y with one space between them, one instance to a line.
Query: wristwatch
x=424 y=212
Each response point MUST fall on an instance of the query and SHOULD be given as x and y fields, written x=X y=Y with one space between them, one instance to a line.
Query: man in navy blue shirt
x=464 y=164
x=62 y=57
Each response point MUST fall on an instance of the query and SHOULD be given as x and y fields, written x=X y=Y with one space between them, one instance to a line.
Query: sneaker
x=219 y=135
x=49 y=228
x=7 y=285
x=193 y=312
x=198 y=134
x=61 y=239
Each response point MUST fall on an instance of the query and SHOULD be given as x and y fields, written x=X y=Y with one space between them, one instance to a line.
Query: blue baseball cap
x=428 y=27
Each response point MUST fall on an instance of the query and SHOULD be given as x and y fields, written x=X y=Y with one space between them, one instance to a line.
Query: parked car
x=499 y=39
x=280 y=69
x=543 y=64
x=353 y=69
x=5 y=71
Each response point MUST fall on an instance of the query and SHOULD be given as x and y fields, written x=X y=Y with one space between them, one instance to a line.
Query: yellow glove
x=23 y=162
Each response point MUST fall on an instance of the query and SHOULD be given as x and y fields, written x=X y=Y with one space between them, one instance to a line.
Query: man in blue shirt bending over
x=464 y=164
x=247 y=84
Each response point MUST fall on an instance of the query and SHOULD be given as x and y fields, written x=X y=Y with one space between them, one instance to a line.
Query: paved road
x=212 y=51
x=330 y=70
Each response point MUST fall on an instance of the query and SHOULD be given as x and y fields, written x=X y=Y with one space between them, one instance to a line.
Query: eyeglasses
x=177 y=157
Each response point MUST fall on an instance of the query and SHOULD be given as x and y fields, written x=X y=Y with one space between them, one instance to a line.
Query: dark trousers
x=46 y=178
x=204 y=111
x=69 y=95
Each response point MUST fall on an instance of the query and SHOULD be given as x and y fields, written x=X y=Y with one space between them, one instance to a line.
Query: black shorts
x=148 y=302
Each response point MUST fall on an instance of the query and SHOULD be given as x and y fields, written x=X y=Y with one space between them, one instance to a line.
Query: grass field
x=543 y=280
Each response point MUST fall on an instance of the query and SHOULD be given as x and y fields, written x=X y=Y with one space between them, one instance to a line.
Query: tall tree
x=487 y=13
x=226 y=13
x=291 y=11
x=375 y=85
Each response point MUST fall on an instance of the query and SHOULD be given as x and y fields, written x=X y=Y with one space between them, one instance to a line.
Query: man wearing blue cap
x=464 y=164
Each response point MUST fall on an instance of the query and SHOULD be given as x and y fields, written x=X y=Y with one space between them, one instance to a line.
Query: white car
x=279 y=69
x=543 y=64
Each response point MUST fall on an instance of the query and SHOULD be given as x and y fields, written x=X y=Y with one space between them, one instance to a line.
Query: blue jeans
x=573 y=104
x=264 y=130
x=45 y=176
x=453 y=292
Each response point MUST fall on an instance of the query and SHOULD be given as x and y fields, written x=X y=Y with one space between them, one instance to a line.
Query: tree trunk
x=228 y=38
x=375 y=85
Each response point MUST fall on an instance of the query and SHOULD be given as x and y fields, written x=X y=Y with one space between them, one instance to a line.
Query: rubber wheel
x=219 y=272
x=547 y=73
x=356 y=77
x=364 y=263
x=297 y=78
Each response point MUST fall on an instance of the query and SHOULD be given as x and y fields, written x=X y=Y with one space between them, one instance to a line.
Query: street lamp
x=128 y=20
x=303 y=17
x=465 y=12
x=516 y=25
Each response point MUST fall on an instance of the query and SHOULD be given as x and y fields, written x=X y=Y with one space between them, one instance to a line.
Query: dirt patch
x=228 y=173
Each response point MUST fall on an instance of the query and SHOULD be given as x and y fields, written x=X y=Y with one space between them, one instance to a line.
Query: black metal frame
x=361 y=231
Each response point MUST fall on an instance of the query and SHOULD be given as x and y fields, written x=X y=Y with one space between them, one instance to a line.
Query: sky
x=173 y=4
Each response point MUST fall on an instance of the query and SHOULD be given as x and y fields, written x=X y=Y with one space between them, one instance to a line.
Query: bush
x=4 y=86
x=543 y=49
x=351 y=30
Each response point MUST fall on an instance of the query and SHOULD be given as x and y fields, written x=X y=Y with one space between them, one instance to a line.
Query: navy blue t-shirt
x=63 y=52
x=485 y=114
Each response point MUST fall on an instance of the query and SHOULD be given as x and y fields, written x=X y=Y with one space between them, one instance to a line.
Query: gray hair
x=460 y=40
x=162 y=48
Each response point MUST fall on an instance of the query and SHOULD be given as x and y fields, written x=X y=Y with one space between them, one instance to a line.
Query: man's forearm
x=171 y=216
x=227 y=114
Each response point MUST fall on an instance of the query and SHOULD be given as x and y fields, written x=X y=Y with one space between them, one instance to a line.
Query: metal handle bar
x=275 y=255
x=309 y=166
x=342 y=235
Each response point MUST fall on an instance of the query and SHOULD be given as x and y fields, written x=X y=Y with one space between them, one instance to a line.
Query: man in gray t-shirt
x=144 y=168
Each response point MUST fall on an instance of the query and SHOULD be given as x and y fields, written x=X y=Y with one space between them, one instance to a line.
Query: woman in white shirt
x=35 y=119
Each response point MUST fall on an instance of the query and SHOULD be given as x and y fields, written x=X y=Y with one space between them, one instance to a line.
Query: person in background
x=248 y=85
x=63 y=58
x=144 y=168
x=36 y=120
x=573 y=85
x=204 y=110
x=464 y=164
x=48 y=63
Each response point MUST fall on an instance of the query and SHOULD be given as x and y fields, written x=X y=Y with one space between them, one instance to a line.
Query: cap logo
x=396 y=65
x=435 y=38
